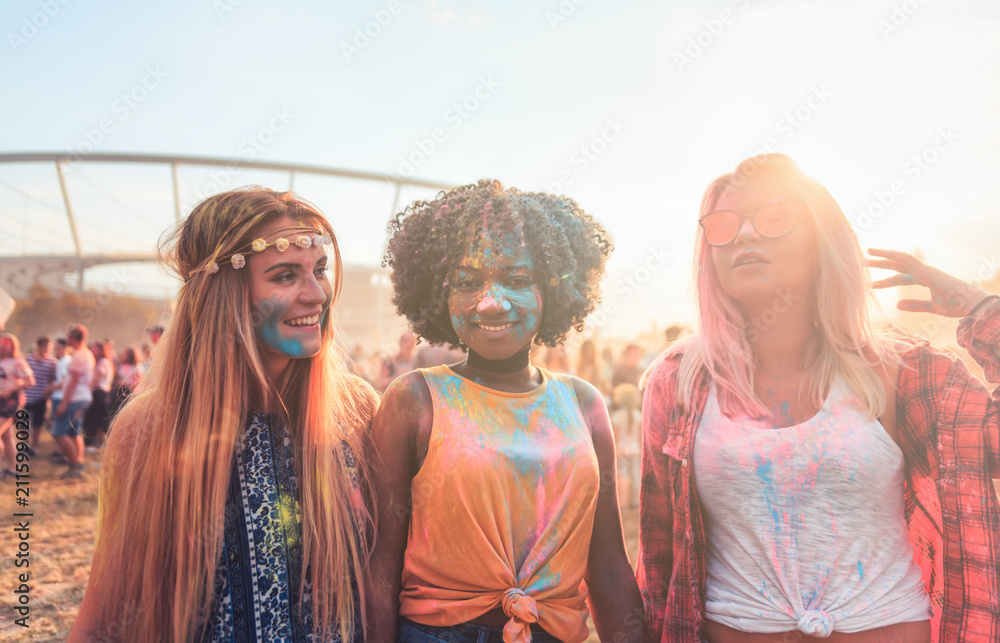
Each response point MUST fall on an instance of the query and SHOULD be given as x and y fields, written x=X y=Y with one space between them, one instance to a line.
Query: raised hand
x=950 y=296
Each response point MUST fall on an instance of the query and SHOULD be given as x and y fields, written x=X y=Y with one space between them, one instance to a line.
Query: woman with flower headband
x=805 y=477
x=497 y=495
x=230 y=500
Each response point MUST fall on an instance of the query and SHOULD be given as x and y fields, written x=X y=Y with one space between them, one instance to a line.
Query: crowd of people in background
x=100 y=378
x=69 y=386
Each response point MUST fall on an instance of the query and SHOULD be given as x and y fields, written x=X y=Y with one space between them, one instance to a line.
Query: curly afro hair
x=429 y=238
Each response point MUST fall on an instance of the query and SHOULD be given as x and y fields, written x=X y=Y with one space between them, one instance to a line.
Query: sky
x=629 y=107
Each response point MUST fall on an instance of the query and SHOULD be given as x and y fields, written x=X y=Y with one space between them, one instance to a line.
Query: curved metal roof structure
x=62 y=213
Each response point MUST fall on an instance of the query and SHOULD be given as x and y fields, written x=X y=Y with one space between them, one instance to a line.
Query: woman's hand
x=950 y=296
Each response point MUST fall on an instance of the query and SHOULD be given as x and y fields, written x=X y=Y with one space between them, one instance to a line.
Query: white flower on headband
x=281 y=244
x=258 y=245
x=214 y=269
x=318 y=240
x=238 y=261
x=303 y=242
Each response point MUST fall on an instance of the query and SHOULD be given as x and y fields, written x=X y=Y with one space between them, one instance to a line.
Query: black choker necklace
x=515 y=362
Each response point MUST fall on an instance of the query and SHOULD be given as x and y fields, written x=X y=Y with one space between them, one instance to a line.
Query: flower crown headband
x=238 y=260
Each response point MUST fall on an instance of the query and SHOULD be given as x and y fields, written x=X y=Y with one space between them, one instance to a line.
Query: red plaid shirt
x=949 y=433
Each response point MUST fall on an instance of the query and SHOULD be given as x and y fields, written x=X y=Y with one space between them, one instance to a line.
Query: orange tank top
x=503 y=508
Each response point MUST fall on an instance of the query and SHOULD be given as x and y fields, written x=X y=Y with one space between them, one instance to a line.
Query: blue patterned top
x=257 y=585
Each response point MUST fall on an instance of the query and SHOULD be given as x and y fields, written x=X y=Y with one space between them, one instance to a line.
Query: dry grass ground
x=62 y=542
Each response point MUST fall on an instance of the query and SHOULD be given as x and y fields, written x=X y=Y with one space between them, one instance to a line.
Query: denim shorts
x=410 y=632
x=70 y=423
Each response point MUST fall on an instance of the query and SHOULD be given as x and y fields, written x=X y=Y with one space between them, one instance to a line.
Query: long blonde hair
x=15 y=345
x=841 y=298
x=168 y=461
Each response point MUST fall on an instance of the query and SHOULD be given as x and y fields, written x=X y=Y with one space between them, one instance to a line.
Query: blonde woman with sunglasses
x=805 y=477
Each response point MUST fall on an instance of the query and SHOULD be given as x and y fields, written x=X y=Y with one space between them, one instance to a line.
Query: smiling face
x=752 y=267
x=494 y=301
x=291 y=294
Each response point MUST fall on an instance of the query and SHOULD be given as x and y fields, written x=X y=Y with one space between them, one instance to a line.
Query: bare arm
x=95 y=377
x=614 y=597
x=72 y=380
x=28 y=375
x=405 y=413
x=53 y=386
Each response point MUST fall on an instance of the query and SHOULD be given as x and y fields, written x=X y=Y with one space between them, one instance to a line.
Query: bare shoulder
x=408 y=391
x=586 y=393
x=406 y=406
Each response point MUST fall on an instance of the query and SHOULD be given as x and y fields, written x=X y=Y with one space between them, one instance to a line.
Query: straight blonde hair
x=168 y=461
x=841 y=298
x=15 y=346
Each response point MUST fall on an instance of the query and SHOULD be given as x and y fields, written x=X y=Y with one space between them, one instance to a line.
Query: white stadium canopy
x=70 y=221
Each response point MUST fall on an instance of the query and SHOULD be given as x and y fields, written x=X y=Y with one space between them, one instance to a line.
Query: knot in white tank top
x=805 y=524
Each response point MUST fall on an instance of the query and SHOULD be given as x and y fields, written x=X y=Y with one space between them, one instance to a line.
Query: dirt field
x=61 y=544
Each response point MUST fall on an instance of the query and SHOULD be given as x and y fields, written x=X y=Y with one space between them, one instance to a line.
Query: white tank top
x=805 y=524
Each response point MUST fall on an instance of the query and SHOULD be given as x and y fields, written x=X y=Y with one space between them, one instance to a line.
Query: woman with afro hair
x=497 y=495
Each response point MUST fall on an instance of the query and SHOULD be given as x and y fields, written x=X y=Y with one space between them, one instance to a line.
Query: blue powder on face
x=271 y=333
